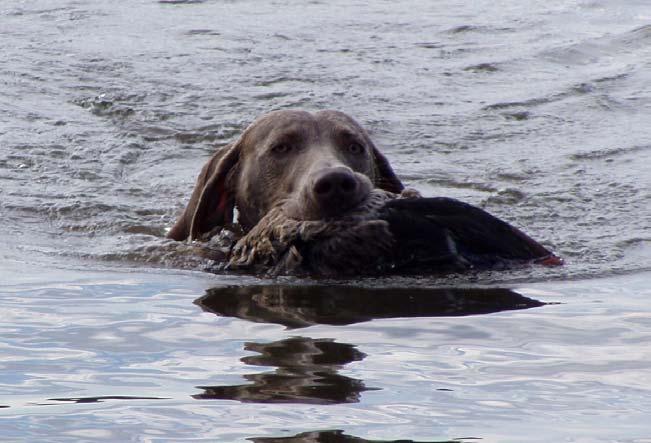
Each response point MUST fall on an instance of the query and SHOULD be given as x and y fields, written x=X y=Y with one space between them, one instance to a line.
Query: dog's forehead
x=302 y=123
x=338 y=120
x=280 y=122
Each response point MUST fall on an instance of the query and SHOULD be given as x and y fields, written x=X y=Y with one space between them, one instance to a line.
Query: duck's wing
x=447 y=231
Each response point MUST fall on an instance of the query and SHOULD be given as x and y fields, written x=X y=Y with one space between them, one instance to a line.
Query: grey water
x=539 y=112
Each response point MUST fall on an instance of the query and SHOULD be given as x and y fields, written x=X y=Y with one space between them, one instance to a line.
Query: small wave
x=608 y=153
x=102 y=106
x=180 y=2
x=612 y=78
x=510 y=176
x=450 y=183
x=578 y=89
x=158 y=251
x=103 y=399
x=481 y=29
x=430 y=45
x=273 y=95
x=508 y=196
x=199 y=136
x=590 y=51
x=482 y=67
x=284 y=79
x=532 y=102
x=202 y=32
x=517 y=115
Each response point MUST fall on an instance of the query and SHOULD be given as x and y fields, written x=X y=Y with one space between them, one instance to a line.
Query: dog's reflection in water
x=302 y=306
x=307 y=372
x=308 y=369
x=337 y=436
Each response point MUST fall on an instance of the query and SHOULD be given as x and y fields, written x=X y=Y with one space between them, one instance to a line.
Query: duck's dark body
x=386 y=235
x=443 y=232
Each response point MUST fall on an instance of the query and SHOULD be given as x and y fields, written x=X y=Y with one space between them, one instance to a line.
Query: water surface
x=538 y=113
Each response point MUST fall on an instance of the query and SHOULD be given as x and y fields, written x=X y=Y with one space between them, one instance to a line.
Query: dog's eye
x=355 y=148
x=281 y=148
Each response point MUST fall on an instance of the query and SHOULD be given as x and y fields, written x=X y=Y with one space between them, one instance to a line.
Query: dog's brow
x=288 y=134
x=348 y=135
x=290 y=128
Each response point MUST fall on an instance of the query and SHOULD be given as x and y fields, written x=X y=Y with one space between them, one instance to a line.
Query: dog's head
x=317 y=166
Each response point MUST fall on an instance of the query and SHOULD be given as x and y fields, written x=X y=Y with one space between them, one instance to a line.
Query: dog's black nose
x=335 y=183
x=335 y=190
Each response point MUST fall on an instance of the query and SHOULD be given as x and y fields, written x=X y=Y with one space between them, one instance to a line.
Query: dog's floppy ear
x=211 y=203
x=385 y=178
x=216 y=201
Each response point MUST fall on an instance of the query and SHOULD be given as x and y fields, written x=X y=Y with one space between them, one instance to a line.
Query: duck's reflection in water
x=308 y=369
x=336 y=436
x=302 y=306
x=307 y=372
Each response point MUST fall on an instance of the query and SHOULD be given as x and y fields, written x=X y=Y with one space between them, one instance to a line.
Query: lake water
x=539 y=112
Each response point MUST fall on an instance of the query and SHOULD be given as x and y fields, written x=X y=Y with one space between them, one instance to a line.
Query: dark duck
x=389 y=233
